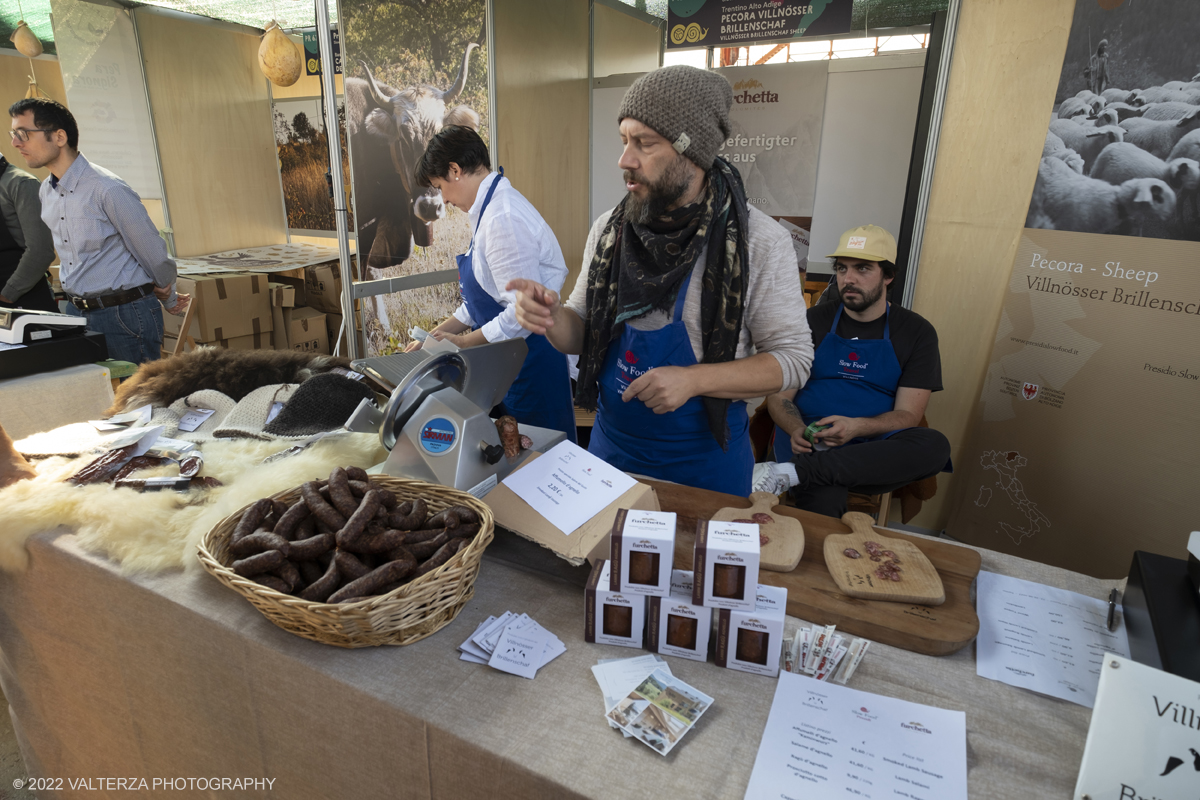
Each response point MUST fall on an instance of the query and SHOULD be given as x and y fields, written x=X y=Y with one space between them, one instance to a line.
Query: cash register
x=26 y=326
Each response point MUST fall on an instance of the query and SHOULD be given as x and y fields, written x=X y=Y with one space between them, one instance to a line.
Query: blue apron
x=541 y=394
x=850 y=378
x=677 y=446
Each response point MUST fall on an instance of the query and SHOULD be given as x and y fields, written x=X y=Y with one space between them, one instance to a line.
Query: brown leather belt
x=114 y=299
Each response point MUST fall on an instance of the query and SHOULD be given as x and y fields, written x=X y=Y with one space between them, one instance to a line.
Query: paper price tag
x=276 y=407
x=194 y=418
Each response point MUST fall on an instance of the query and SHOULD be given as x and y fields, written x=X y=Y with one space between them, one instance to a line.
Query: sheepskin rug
x=152 y=531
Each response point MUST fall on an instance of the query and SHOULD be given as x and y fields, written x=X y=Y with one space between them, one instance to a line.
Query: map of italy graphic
x=1006 y=464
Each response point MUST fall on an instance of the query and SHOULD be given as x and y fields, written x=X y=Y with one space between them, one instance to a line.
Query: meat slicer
x=436 y=423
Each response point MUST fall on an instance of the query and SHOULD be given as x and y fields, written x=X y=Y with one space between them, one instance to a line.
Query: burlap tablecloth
x=173 y=676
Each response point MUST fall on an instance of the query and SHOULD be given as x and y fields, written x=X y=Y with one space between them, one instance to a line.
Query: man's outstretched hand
x=535 y=305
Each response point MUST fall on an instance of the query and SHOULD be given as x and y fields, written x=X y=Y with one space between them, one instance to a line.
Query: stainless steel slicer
x=436 y=422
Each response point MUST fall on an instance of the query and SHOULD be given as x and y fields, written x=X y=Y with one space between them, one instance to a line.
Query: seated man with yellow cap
x=854 y=424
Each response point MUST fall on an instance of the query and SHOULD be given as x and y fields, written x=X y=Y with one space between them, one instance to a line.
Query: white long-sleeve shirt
x=513 y=241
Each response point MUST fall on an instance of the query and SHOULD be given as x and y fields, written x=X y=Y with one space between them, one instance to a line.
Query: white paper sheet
x=520 y=651
x=828 y=741
x=1043 y=639
x=568 y=486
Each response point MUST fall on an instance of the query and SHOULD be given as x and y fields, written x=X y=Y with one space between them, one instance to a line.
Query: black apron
x=39 y=297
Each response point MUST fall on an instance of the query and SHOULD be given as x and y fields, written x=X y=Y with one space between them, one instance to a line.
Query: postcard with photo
x=660 y=711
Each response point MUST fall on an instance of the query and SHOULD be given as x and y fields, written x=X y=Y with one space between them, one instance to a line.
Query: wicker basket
x=402 y=616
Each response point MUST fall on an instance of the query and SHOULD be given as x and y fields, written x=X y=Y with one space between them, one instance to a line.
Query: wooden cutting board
x=856 y=577
x=781 y=538
x=814 y=597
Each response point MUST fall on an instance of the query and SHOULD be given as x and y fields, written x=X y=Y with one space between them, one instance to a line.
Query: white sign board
x=99 y=58
x=1143 y=737
x=776 y=117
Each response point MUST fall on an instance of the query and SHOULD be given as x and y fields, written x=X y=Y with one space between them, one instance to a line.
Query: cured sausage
x=410 y=520
x=259 y=542
x=510 y=436
x=272 y=581
x=349 y=566
x=354 y=528
x=250 y=521
x=312 y=548
x=321 y=509
x=381 y=543
x=319 y=591
x=441 y=556
x=288 y=573
x=373 y=581
x=258 y=564
x=288 y=523
x=422 y=550
x=339 y=492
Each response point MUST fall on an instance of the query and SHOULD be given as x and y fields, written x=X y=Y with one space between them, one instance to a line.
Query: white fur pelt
x=153 y=531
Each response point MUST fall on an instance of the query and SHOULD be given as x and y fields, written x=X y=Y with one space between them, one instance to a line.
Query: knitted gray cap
x=687 y=106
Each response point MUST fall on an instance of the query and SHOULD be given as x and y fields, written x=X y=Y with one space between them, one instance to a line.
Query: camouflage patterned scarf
x=637 y=269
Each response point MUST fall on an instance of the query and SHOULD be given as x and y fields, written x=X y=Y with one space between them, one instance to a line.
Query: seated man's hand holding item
x=181 y=302
x=875 y=366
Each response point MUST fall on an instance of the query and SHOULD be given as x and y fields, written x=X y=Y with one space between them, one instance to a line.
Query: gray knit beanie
x=687 y=106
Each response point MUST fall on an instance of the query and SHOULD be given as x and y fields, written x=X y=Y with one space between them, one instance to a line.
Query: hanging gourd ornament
x=279 y=57
x=26 y=42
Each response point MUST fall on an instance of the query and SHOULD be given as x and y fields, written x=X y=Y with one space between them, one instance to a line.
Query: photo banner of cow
x=1086 y=445
x=720 y=23
x=410 y=68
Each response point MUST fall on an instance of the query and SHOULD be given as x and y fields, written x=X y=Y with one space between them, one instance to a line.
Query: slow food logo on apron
x=627 y=372
x=851 y=366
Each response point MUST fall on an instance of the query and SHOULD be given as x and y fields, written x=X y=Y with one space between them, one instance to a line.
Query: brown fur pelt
x=234 y=373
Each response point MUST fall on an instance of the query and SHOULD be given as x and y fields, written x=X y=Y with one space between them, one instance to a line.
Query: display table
x=173 y=675
x=44 y=401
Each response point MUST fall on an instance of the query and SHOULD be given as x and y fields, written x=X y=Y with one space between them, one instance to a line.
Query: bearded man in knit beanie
x=689 y=302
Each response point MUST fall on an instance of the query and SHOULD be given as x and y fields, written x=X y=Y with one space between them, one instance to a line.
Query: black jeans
x=872 y=467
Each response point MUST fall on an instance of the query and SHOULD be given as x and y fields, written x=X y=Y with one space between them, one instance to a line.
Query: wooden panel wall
x=212 y=118
x=623 y=43
x=542 y=112
x=1007 y=60
x=14 y=82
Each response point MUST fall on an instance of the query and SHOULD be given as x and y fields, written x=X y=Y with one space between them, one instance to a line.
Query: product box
x=675 y=625
x=751 y=641
x=589 y=541
x=726 y=565
x=282 y=295
x=611 y=617
x=642 y=552
x=255 y=341
x=227 y=305
x=323 y=287
x=305 y=330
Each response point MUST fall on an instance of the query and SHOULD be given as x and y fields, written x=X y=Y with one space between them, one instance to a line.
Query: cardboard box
x=228 y=305
x=611 y=617
x=297 y=284
x=675 y=625
x=282 y=295
x=751 y=641
x=255 y=341
x=323 y=287
x=726 y=564
x=589 y=541
x=643 y=550
x=305 y=329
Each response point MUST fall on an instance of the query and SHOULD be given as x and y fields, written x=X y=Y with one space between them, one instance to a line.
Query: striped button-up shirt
x=105 y=240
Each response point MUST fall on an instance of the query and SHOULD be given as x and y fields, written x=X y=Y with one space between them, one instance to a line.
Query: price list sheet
x=823 y=740
x=1044 y=639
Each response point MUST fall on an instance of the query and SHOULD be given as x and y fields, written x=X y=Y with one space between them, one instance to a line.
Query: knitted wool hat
x=322 y=403
x=687 y=106
x=210 y=399
x=249 y=417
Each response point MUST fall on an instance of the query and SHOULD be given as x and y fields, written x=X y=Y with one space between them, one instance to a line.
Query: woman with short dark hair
x=510 y=240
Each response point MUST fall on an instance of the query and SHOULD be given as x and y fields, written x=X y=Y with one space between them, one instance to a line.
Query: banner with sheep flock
x=411 y=66
x=1088 y=442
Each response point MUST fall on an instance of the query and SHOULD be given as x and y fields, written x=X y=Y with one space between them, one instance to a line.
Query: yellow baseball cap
x=868 y=242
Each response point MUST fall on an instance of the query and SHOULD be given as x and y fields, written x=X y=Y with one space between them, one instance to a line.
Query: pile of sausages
x=346 y=539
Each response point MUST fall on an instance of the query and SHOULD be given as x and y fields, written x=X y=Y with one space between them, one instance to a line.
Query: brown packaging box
x=611 y=617
x=590 y=541
x=323 y=287
x=283 y=295
x=305 y=329
x=228 y=305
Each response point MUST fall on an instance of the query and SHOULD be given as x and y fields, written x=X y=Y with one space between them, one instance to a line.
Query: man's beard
x=864 y=299
x=660 y=194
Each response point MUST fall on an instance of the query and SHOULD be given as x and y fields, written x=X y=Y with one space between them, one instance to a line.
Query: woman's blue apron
x=677 y=446
x=541 y=394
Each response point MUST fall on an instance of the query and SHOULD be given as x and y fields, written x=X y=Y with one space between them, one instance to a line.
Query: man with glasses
x=114 y=267
x=855 y=424
x=26 y=246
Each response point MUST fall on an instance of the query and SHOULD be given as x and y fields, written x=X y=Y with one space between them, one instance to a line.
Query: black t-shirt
x=913 y=338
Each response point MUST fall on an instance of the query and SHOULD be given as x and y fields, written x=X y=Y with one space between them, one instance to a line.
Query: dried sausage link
x=321 y=509
x=312 y=548
x=250 y=521
x=339 y=492
x=259 y=542
x=259 y=563
x=373 y=581
x=327 y=584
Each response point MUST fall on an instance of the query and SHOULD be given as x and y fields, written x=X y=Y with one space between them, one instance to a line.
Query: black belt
x=114 y=299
